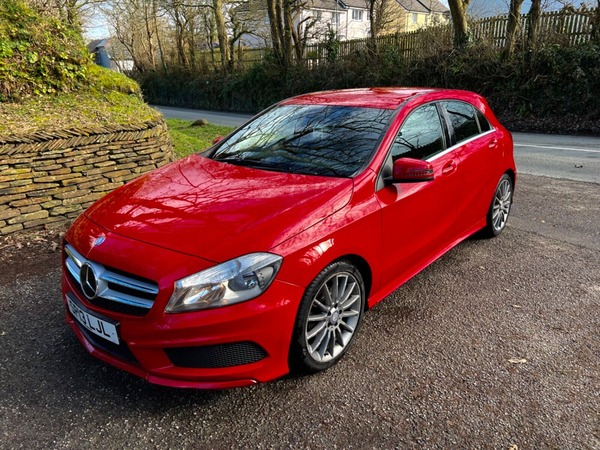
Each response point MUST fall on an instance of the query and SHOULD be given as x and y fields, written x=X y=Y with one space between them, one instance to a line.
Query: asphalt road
x=568 y=157
x=216 y=117
x=495 y=345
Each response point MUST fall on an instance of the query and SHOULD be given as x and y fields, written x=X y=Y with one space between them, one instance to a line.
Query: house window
x=357 y=15
x=335 y=17
x=415 y=17
x=319 y=15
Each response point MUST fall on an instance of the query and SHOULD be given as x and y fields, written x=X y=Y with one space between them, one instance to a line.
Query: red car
x=261 y=255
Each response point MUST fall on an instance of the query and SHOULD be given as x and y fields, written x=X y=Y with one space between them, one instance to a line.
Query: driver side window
x=421 y=135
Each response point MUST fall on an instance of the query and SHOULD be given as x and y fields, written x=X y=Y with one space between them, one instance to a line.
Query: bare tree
x=301 y=34
x=281 y=19
x=384 y=16
x=238 y=27
x=596 y=24
x=69 y=11
x=221 y=31
x=458 y=11
x=513 y=26
x=135 y=25
x=533 y=19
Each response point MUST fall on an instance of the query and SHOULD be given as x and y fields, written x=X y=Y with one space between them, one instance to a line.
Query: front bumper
x=162 y=351
x=236 y=345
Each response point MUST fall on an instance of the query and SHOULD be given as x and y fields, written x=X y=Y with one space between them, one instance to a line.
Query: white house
x=349 y=19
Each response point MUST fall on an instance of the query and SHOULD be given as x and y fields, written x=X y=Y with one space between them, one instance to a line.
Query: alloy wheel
x=333 y=317
x=501 y=205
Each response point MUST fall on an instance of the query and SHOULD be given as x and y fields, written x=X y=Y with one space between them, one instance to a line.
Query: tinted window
x=421 y=135
x=462 y=117
x=313 y=139
x=484 y=125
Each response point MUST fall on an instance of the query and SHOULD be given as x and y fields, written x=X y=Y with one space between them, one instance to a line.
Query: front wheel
x=500 y=207
x=328 y=318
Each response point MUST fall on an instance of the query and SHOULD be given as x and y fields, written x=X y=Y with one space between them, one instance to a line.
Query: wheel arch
x=513 y=177
x=364 y=268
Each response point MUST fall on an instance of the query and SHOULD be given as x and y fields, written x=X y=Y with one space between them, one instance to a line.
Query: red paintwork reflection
x=386 y=98
x=219 y=211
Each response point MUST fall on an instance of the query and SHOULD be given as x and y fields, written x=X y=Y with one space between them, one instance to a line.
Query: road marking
x=558 y=148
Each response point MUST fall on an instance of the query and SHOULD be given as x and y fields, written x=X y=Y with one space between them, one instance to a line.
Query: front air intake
x=216 y=356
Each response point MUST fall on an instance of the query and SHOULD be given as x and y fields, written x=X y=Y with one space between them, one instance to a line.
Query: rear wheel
x=500 y=207
x=328 y=318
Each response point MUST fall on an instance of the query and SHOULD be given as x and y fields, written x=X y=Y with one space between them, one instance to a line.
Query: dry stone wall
x=47 y=179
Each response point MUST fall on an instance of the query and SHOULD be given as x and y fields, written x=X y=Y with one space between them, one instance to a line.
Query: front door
x=418 y=219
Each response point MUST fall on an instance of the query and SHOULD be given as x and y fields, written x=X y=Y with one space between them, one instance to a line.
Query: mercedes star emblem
x=89 y=281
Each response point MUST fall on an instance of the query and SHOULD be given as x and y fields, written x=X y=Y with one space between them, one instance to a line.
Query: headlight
x=232 y=282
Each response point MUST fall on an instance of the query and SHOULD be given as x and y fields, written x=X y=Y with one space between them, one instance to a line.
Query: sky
x=96 y=26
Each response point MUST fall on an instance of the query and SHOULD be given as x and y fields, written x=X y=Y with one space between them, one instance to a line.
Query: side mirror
x=217 y=140
x=411 y=170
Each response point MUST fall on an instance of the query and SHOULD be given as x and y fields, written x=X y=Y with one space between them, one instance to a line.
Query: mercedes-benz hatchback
x=261 y=254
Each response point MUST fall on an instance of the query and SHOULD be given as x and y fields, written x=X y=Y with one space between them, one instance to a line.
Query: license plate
x=92 y=323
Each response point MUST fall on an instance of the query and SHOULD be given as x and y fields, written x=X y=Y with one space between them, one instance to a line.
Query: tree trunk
x=275 y=22
x=221 y=32
x=512 y=28
x=149 y=36
x=288 y=27
x=280 y=26
x=374 y=28
x=458 y=10
x=158 y=39
x=533 y=19
x=596 y=24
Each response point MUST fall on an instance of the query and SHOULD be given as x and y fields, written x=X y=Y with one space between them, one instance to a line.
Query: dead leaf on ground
x=517 y=360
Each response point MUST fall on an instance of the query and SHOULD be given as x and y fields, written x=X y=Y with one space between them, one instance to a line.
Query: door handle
x=449 y=168
x=493 y=144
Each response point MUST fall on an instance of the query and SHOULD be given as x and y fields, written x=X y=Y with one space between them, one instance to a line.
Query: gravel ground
x=496 y=345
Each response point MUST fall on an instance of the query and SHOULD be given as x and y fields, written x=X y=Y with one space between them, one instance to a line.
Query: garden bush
x=553 y=89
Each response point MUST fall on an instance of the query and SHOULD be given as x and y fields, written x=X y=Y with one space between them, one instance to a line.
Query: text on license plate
x=94 y=324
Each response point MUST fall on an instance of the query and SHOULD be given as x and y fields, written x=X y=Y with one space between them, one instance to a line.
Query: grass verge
x=187 y=139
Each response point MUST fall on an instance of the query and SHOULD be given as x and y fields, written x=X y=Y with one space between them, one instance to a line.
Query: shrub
x=555 y=88
x=38 y=54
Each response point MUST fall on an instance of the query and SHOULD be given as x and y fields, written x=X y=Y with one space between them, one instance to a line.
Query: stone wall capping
x=49 y=177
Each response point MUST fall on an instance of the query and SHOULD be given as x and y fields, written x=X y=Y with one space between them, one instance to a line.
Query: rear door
x=476 y=145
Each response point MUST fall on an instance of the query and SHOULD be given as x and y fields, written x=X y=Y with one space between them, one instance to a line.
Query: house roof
x=435 y=6
x=356 y=3
x=96 y=43
x=336 y=4
x=423 y=6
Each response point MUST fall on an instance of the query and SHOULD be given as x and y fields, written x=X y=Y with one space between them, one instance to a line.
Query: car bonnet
x=218 y=211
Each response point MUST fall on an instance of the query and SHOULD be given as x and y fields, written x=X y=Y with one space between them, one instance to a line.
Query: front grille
x=216 y=356
x=115 y=290
x=120 y=351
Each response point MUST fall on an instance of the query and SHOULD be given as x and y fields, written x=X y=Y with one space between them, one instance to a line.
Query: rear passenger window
x=484 y=125
x=421 y=135
x=462 y=117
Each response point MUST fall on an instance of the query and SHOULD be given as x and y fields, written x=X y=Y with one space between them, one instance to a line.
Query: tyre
x=500 y=207
x=328 y=318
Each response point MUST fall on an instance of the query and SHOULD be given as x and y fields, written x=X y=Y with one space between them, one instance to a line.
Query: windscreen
x=325 y=140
